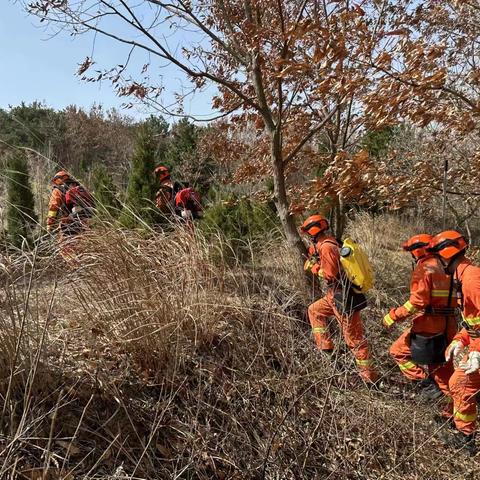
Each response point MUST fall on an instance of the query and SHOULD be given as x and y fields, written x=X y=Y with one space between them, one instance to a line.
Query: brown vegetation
x=156 y=360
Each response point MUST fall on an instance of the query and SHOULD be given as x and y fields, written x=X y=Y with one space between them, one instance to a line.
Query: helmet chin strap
x=451 y=266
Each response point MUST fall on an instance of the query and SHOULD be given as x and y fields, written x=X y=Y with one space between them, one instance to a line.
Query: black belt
x=443 y=311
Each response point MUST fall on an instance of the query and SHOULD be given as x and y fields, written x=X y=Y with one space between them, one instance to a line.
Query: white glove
x=472 y=364
x=187 y=214
x=453 y=350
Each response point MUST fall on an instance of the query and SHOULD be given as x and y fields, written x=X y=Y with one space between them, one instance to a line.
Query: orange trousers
x=463 y=389
x=352 y=329
x=400 y=351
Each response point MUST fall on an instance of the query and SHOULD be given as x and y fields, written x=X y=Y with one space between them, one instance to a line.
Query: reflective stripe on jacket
x=56 y=207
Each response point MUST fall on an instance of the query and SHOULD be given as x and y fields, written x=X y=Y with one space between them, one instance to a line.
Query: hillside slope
x=162 y=358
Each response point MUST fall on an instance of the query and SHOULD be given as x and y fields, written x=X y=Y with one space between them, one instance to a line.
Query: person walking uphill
x=464 y=384
x=431 y=307
x=324 y=261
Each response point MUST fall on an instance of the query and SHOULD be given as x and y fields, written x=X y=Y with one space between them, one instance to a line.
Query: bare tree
x=287 y=63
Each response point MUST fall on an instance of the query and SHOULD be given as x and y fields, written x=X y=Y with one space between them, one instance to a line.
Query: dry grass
x=154 y=360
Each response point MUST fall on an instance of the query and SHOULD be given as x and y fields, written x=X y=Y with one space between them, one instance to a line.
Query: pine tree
x=183 y=142
x=21 y=218
x=149 y=152
x=377 y=142
x=182 y=154
x=105 y=192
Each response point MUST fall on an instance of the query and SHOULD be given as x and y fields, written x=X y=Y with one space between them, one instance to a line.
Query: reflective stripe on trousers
x=363 y=363
x=407 y=365
x=466 y=417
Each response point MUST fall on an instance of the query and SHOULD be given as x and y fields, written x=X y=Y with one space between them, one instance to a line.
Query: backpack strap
x=63 y=210
x=331 y=242
x=62 y=188
x=165 y=189
x=325 y=241
x=450 y=295
x=338 y=244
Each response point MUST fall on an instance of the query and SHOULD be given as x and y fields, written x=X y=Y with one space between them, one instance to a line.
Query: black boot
x=461 y=441
x=428 y=390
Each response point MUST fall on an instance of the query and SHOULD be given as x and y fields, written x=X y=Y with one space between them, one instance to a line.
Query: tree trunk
x=339 y=217
x=281 y=201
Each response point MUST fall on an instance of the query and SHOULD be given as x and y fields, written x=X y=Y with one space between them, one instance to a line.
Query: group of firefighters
x=71 y=206
x=441 y=360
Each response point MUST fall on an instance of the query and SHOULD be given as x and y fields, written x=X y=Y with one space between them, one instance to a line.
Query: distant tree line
x=110 y=153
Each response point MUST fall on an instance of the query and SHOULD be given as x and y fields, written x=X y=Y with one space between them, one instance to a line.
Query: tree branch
x=257 y=78
x=194 y=19
x=311 y=134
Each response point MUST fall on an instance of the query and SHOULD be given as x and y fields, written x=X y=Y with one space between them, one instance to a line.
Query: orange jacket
x=56 y=208
x=469 y=276
x=164 y=196
x=328 y=259
x=429 y=291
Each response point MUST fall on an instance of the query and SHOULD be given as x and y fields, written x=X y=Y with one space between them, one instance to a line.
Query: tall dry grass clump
x=160 y=361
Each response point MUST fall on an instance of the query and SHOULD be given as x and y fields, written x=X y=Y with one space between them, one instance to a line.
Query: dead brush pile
x=154 y=360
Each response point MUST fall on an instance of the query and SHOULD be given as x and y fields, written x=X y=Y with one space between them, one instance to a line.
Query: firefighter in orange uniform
x=431 y=307
x=57 y=208
x=464 y=384
x=164 y=198
x=69 y=208
x=324 y=261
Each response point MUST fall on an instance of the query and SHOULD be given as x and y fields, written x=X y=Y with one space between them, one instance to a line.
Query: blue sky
x=37 y=66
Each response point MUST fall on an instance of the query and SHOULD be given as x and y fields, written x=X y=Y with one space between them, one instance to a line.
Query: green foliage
x=105 y=192
x=149 y=151
x=241 y=223
x=21 y=217
x=34 y=126
x=377 y=142
x=184 y=159
x=157 y=128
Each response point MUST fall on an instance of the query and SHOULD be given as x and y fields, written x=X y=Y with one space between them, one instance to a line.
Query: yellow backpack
x=356 y=265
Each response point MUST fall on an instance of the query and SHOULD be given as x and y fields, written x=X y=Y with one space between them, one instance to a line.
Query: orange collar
x=462 y=266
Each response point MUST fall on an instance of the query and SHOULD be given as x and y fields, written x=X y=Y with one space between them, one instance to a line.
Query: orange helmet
x=61 y=177
x=448 y=244
x=417 y=245
x=162 y=173
x=314 y=225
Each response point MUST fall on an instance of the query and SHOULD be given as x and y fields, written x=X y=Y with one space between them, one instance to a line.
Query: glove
x=316 y=270
x=186 y=214
x=453 y=350
x=389 y=319
x=309 y=264
x=472 y=364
